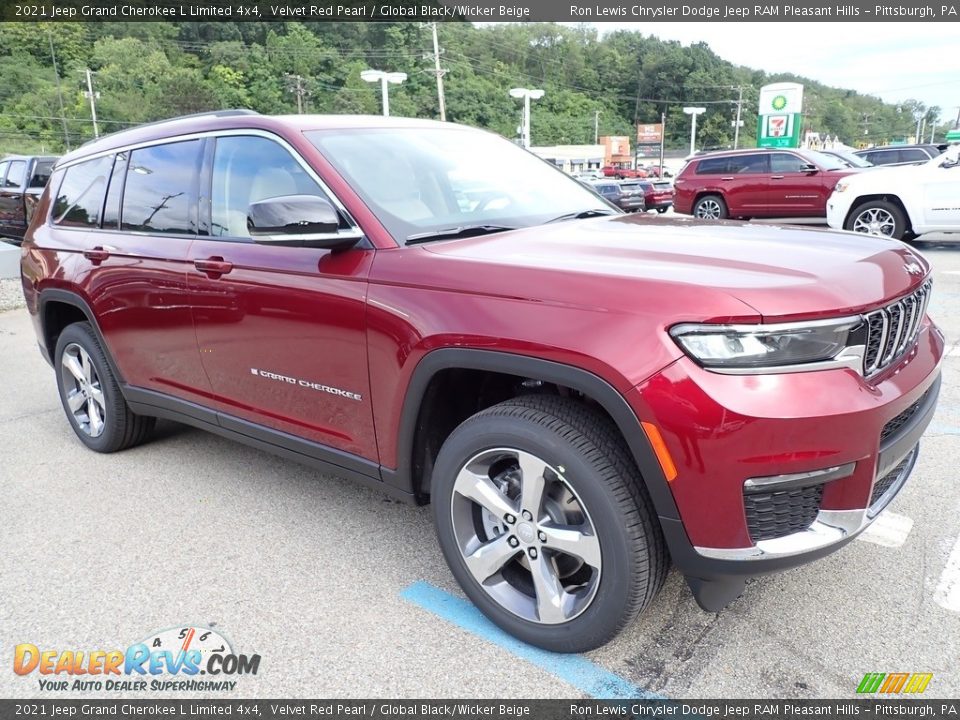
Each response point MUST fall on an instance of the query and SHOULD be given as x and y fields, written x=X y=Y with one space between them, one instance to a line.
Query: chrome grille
x=892 y=330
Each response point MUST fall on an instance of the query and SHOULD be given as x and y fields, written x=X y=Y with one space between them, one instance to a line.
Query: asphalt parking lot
x=345 y=594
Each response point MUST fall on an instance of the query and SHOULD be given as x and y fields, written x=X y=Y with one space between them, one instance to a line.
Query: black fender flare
x=68 y=297
x=524 y=366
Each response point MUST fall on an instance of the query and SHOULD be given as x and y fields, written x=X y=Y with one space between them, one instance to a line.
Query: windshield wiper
x=457 y=232
x=583 y=214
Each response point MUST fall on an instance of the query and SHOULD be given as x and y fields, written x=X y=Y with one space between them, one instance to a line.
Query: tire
x=91 y=396
x=661 y=210
x=881 y=218
x=710 y=207
x=623 y=560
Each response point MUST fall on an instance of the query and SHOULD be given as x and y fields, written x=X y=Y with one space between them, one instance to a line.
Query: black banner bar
x=481 y=709
x=481 y=10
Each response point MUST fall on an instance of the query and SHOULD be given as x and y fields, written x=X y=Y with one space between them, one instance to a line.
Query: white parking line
x=947 y=594
x=889 y=530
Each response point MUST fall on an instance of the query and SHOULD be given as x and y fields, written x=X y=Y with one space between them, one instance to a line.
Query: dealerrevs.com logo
x=183 y=658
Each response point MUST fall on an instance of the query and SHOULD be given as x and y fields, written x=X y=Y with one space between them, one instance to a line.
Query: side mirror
x=298 y=221
x=809 y=168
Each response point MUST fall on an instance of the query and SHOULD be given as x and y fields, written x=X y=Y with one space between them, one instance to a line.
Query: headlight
x=733 y=347
x=841 y=186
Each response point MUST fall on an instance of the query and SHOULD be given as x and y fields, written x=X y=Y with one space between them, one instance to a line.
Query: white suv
x=900 y=202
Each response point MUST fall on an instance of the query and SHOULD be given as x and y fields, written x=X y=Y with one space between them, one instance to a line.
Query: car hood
x=780 y=272
x=881 y=175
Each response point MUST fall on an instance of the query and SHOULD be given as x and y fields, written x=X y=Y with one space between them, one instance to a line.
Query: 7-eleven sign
x=778 y=130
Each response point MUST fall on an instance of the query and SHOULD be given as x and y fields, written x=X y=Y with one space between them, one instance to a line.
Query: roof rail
x=211 y=113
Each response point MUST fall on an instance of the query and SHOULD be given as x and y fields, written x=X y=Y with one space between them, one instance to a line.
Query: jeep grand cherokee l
x=758 y=183
x=583 y=395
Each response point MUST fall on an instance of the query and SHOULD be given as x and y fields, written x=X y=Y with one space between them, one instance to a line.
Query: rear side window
x=738 y=164
x=15 y=173
x=41 y=173
x=80 y=197
x=882 y=157
x=157 y=196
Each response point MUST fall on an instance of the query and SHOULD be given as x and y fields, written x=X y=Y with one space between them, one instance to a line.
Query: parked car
x=899 y=154
x=848 y=157
x=588 y=175
x=584 y=396
x=657 y=194
x=626 y=195
x=757 y=183
x=900 y=202
x=621 y=173
x=22 y=179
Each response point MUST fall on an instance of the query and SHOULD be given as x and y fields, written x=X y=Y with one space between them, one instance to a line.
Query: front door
x=794 y=192
x=281 y=330
x=941 y=195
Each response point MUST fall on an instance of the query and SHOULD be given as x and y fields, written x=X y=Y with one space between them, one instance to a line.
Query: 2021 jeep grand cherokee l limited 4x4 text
x=583 y=395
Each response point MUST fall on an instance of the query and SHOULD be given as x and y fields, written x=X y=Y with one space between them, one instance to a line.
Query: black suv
x=22 y=179
x=899 y=154
x=626 y=197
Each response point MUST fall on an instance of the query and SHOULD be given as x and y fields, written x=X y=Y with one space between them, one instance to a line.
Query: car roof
x=27 y=157
x=741 y=151
x=244 y=120
x=923 y=146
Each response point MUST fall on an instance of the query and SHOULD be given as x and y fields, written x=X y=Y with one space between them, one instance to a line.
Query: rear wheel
x=91 y=396
x=710 y=207
x=545 y=522
x=878 y=217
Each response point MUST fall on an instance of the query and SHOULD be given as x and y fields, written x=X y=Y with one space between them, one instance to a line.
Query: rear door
x=744 y=180
x=281 y=330
x=941 y=196
x=129 y=219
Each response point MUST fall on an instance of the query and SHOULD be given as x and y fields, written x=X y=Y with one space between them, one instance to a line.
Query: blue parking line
x=587 y=677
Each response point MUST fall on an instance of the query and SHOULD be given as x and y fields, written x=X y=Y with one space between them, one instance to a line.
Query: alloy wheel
x=708 y=210
x=82 y=389
x=875 y=221
x=525 y=535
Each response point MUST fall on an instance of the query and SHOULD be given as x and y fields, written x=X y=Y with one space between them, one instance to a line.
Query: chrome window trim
x=214 y=134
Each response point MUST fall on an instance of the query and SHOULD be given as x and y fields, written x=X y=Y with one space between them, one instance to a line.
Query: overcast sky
x=895 y=61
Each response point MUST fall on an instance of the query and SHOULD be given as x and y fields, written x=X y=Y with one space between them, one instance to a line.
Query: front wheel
x=544 y=521
x=878 y=217
x=710 y=207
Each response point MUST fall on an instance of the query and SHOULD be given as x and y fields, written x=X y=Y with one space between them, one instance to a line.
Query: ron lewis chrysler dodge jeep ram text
x=584 y=396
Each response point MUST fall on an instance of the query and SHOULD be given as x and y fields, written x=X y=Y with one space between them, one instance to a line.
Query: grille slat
x=772 y=515
x=892 y=330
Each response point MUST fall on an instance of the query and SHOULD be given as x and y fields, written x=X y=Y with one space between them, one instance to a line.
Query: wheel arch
x=887 y=197
x=58 y=308
x=589 y=384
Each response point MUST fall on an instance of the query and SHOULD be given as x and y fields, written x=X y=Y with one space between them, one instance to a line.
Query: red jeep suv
x=758 y=183
x=583 y=395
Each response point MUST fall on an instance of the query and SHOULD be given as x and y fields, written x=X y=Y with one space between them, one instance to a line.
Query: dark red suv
x=758 y=183
x=584 y=395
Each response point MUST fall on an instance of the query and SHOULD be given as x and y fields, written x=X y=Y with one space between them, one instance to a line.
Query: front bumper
x=723 y=430
x=837 y=212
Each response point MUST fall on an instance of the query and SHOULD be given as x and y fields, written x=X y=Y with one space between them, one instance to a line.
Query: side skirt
x=320 y=457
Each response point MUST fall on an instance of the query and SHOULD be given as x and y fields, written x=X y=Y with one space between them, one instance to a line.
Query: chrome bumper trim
x=773 y=483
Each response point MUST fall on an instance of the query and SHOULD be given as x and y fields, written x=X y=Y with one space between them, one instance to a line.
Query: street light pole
x=93 y=102
x=738 y=122
x=385 y=79
x=693 y=112
x=596 y=127
x=527 y=96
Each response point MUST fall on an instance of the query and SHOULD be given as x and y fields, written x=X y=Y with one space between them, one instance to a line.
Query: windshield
x=422 y=180
x=827 y=162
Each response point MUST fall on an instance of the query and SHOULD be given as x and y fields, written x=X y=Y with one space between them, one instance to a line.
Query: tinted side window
x=247 y=169
x=15 y=173
x=712 y=166
x=111 y=209
x=41 y=173
x=883 y=157
x=913 y=155
x=750 y=164
x=157 y=196
x=80 y=197
x=3 y=170
x=786 y=163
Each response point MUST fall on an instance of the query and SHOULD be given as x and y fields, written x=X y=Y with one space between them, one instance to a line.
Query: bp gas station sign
x=778 y=122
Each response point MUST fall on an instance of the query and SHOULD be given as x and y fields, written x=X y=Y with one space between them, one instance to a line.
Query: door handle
x=97 y=254
x=214 y=267
x=726 y=178
x=776 y=177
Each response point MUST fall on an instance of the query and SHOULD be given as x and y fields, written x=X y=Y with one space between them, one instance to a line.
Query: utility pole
x=56 y=74
x=295 y=85
x=738 y=122
x=438 y=71
x=93 y=102
x=596 y=127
